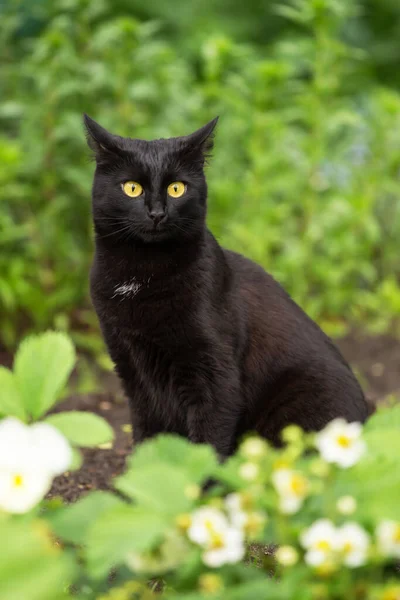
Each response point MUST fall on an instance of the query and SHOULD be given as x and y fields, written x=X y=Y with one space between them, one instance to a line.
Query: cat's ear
x=203 y=139
x=103 y=143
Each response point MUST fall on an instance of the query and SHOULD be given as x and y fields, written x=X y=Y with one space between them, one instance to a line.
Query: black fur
x=206 y=343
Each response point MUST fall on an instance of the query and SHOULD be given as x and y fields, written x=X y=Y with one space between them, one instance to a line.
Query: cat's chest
x=129 y=288
x=144 y=306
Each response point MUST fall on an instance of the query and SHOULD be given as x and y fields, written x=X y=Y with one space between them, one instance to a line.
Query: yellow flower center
x=323 y=545
x=347 y=547
x=217 y=541
x=298 y=485
x=396 y=534
x=18 y=481
x=343 y=441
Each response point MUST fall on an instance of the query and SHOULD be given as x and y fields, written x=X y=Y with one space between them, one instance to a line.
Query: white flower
x=227 y=547
x=340 y=443
x=51 y=448
x=388 y=536
x=207 y=523
x=321 y=541
x=254 y=448
x=353 y=544
x=222 y=543
x=22 y=488
x=14 y=443
x=249 y=471
x=237 y=515
x=292 y=488
x=346 y=505
x=30 y=456
x=251 y=521
x=287 y=556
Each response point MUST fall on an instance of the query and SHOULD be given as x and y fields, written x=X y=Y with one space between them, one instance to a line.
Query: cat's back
x=274 y=318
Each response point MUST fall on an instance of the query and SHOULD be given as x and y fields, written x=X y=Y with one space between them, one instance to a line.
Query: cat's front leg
x=215 y=424
x=144 y=425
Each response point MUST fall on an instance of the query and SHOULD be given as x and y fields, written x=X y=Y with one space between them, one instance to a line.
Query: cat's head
x=149 y=191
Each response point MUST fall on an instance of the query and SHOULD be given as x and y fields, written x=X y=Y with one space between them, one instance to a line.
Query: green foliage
x=82 y=428
x=72 y=523
x=42 y=366
x=10 y=401
x=113 y=533
x=32 y=567
x=305 y=174
x=196 y=541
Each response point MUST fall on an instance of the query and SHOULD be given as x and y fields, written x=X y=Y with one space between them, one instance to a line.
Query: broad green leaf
x=118 y=531
x=384 y=418
x=33 y=567
x=197 y=460
x=82 y=428
x=42 y=366
x=10 y=399
x=77 y=460
x=159 y=487
x=71 y=524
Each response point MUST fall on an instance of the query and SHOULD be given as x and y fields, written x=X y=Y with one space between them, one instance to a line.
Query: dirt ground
x=376 y=362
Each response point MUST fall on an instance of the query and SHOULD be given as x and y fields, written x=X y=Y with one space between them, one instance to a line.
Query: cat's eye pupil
x=175 y=188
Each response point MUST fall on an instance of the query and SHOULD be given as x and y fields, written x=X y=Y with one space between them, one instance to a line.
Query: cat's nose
x=157 y=215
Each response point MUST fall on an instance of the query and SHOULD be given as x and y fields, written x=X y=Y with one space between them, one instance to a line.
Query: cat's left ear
x=202 y=139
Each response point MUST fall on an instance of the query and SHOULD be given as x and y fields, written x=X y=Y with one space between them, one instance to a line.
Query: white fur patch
x=128 y=290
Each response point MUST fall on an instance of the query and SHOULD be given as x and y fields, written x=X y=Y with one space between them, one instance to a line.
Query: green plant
x=42 y=367
x=304 y=178
x=329 y=500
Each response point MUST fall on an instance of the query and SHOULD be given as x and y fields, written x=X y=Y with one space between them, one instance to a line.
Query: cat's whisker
x=116 y=232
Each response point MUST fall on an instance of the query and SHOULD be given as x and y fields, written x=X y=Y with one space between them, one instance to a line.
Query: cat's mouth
x=158 y=228
x=156 y=233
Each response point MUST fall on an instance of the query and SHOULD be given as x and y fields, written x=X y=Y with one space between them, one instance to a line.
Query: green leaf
x=77 y=460
x=42 y=366
x=159 y=487
x=383 y=419
x=197 y=460
x=10 y=399
x=32 y=567
x=82 y=428
x=118 y=531
x=71 y=524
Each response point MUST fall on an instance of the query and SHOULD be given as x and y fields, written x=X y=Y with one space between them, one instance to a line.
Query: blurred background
x=305 y=177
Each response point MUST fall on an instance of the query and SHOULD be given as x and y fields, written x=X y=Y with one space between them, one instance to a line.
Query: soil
x=376 y=361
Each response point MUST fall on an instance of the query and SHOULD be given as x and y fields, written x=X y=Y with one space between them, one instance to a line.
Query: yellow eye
x=133 y=189
x=176 y=189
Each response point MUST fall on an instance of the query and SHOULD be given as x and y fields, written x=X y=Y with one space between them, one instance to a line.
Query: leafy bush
x=42 y=367
x=330 y=500
x=305 y=175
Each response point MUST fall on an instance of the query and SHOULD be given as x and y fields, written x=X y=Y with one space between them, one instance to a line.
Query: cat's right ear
x=103 y=143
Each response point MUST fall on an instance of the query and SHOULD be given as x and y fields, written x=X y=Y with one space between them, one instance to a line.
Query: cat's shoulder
x=246 y=267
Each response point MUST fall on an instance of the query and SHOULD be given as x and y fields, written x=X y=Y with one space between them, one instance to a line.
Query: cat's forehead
x=155 y=155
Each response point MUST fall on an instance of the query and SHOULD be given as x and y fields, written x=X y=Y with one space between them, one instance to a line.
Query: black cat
x=206 y=343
